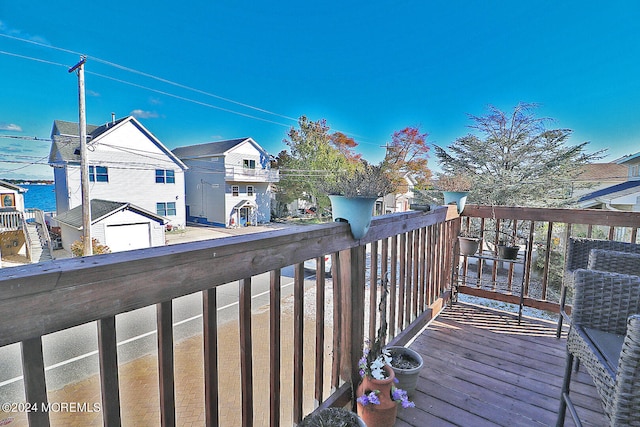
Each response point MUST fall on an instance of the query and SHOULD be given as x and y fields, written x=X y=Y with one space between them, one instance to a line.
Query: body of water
x=40 y=197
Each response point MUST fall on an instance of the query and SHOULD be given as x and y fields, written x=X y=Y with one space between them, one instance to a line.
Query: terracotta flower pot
x=384 y=414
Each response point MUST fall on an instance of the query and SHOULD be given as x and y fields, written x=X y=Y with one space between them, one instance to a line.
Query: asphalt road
x=72 y=355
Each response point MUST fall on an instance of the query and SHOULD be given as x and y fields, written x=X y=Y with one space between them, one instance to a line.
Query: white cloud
x=92 y=93
x=5 y=29
x=142 y=114
x=11 y=127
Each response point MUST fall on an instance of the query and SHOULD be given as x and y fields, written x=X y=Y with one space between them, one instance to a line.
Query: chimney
x=113 y=118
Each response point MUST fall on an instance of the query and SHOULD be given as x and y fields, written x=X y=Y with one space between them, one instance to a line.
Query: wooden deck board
x=483 y=369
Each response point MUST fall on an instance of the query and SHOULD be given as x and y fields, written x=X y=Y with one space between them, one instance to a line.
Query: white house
x=228 y=183
x=400 y=200
x=624 y=196
x=126 y=163
x=12 y=238
x=11 y=197
x=119 y=225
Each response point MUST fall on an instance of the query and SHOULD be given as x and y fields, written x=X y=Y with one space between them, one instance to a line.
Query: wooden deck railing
x=11 y=221
x=543 y=234
x=415 y=248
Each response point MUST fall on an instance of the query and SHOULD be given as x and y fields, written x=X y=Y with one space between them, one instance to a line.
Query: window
x=249 y=164
x=98 y=174
x=166 y=209
x=635 y=170
x=165 y=176
x=235 y=190
x=249 y=190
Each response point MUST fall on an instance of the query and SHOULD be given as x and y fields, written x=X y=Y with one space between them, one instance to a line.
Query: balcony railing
x=11 y=221
x=542 y=235
x=251 y=174
x=414 y=250
x=43 y=298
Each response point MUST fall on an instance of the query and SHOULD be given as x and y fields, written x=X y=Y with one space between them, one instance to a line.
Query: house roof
x=101 y=209
x=603 y=172
x=66 y=139
x=624 y=187
x=210 y=149
x=245 y=204
x=628 y=158
x=13 y=187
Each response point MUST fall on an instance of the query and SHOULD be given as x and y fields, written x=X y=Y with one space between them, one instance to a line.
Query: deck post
x=352 y=277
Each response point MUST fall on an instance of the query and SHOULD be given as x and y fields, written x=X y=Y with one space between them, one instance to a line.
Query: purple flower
x=400 y=395
x=370 y=398
x=408 y=404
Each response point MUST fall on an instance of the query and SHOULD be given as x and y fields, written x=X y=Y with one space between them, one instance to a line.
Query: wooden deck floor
x=483 y=369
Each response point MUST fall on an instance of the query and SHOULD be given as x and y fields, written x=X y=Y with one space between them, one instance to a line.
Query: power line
x=204 y=104
x=166 y=81
x=141 y=73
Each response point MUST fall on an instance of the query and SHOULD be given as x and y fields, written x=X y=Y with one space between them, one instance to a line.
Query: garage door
x=126 y=237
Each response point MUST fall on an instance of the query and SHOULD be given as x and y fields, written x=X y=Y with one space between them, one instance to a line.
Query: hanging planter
x=508 y=252
x=469 y=245
x=455 y=189
x=457 y=197
x=357 y=211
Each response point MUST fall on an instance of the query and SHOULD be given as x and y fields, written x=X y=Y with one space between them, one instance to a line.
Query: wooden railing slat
x=298 y=341
x=35 y=386
x=320 y=325
x=275 y=295
x=246 y=352
x=165 y=364
x=108 y=357
x=210 y=338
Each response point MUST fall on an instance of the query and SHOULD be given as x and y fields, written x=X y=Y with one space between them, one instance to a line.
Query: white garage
x=125 y=237
x=119 y=225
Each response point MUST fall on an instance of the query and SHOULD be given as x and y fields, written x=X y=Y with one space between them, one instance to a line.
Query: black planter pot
x=508 y=252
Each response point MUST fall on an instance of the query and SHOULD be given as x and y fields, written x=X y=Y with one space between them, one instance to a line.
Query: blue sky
x=369 y=68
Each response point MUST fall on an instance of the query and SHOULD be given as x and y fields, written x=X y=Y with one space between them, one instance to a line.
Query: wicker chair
x=614 y=262
x=605 y=337
x=577 y=256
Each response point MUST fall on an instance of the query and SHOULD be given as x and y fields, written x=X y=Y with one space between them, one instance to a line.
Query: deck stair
x=39 y=250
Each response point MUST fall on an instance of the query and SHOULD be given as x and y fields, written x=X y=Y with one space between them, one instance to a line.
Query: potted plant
x=353 y=195
x=406 y=364
x=469 y=243
x=377 y=395
x=339 y=417
x=455 y=188
x=508 y=246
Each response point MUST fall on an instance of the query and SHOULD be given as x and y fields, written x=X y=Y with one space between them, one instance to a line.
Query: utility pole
x=84 y=164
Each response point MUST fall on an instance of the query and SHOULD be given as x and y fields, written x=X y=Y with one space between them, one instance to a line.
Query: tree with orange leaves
x=407 y=153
